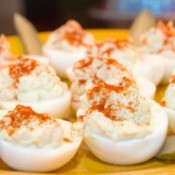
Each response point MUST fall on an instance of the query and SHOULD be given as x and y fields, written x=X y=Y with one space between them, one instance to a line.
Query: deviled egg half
x=28 y=82
x=127 y=54
x=66 y=45
x=37 y=142
x=86 y=73
x=120 y=126
x=160 y=40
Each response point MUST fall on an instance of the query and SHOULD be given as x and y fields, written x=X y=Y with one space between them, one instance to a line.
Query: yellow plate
x=84 y=162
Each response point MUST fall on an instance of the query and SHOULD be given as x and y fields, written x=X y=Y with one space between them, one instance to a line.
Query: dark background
x=50 y=14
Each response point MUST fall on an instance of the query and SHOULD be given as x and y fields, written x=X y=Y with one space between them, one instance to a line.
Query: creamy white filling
x=46 y=135
x=64 y=46
x=117 y=112
x=97 y=123
x=99 y=70
x=41 y=84
x=5 y=52
x=168 y=53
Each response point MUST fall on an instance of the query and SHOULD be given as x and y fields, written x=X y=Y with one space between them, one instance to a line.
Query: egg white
x=70 y=74
x=61 y=60
x=2 y=113
x=40 y=159
x=39 y=58
x=151 y=67
x=55 y=107
x=146 y=87
x=131 y=151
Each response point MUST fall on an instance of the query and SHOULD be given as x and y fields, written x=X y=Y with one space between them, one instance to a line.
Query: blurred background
x=50 y=14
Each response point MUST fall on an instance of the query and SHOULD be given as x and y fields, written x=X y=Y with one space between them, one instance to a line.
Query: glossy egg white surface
x=131 y=151
x=55 y=107
x=40 y=159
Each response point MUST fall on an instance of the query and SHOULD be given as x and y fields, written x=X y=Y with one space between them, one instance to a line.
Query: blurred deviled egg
x=151 y=66
x=86 y=73
x=127 y=54
x=28 y=82
x=120 y=126
x=160 y=40
x=66 y=45
x=37 y=142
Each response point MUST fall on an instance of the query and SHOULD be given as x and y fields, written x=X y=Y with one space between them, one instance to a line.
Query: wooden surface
x=85 y=162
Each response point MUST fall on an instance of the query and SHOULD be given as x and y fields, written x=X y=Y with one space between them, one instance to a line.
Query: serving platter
x=85 y=162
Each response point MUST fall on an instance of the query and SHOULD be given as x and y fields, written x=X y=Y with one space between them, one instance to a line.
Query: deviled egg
x=37 y=142
x=86 y=73
x=28 y=82
x=160 y=40
x=120 y=126
x=66 y=45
